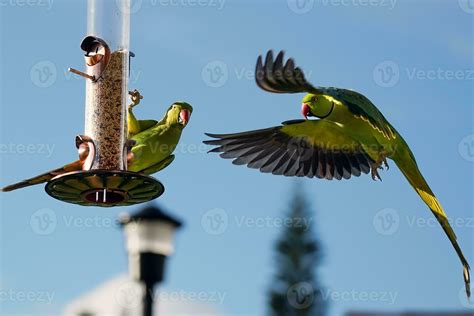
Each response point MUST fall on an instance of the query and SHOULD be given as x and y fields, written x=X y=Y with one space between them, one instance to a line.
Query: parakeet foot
x=379 y=164
x=136 y=98
x=375 y=173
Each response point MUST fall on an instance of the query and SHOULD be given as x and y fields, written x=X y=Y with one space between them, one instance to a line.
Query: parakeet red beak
x=184 y=117
x=305 y=110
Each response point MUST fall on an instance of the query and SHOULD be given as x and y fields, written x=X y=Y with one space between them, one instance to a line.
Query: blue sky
x=413 y=59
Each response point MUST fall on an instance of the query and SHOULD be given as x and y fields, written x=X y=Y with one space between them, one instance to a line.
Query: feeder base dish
x=104 y=188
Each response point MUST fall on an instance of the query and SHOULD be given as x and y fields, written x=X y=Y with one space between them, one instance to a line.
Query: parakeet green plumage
x=154 y=143
x=350 y=137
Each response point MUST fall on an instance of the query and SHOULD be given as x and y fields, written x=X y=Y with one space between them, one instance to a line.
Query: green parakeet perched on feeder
x=349 y=137
x=153 y=144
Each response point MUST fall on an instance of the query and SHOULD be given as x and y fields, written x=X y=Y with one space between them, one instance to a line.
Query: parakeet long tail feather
x=410 y=170
x=45 y=177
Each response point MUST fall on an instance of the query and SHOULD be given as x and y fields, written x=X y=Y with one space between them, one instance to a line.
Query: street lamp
x=149 y=241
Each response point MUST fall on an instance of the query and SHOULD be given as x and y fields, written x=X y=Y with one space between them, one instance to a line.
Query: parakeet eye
x=314 y=99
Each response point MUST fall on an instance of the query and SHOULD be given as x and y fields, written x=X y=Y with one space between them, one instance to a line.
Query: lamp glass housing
x=150 y=236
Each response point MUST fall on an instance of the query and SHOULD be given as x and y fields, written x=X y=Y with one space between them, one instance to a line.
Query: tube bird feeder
x=104 y=149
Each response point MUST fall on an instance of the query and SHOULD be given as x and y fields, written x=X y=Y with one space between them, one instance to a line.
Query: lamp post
x=149 y=241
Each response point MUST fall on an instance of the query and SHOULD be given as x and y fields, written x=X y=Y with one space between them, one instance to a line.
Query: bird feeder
x=104 y=150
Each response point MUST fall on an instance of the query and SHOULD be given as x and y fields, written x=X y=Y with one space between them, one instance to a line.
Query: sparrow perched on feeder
x=153 y=144
x=350 y=136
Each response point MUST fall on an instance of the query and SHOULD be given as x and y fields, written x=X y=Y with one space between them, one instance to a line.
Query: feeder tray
x=104 y=188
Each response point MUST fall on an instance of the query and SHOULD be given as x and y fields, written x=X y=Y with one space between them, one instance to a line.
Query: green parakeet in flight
x=154 y=143
x=349 y=137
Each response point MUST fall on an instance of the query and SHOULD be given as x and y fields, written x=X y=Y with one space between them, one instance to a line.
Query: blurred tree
x=297 y=290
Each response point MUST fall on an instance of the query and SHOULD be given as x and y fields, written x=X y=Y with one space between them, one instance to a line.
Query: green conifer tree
x=296 y=290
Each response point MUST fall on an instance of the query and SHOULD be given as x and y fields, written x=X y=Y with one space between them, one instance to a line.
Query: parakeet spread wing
x=278 y=77
x=297 y=148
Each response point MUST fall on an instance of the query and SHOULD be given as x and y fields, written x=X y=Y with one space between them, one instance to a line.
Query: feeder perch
x=104 y=149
